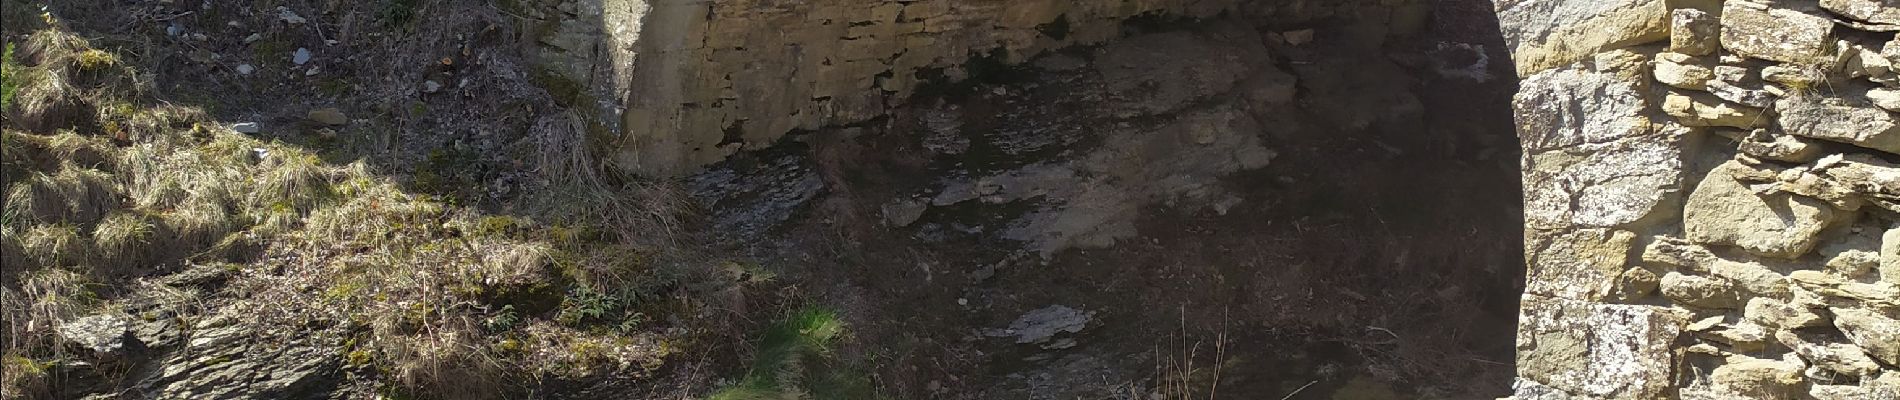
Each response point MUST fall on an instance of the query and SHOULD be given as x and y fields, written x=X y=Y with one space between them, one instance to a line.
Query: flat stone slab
x=1761 y=31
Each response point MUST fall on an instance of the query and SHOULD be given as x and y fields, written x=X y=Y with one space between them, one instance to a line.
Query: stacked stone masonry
x=1712 y=198
x=711 y=78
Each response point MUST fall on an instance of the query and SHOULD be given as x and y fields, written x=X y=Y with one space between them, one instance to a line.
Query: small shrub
x=400 y=12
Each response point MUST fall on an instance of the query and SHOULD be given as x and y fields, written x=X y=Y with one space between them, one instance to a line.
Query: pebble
x=313 y=71
x=245 y=69
x=290 y=17
x=1298 y=37
x=430 y=86
x=247 y=127
x=327 y=116
x=301 y=56
x=253 y=38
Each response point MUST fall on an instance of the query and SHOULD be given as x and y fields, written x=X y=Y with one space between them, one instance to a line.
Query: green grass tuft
x=796 y=360
x=124 y=239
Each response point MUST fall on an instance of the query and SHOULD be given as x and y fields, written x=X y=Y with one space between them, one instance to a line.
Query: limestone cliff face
x=1710 y=198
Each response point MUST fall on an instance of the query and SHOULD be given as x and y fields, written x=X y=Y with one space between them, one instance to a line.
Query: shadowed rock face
x=710 y=79
x=1040 y=229
x=1755 y=181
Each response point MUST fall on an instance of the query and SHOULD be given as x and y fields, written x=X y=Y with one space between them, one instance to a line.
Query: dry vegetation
x=107 y=189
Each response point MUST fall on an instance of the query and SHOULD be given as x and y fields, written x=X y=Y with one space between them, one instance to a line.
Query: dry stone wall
x=712 y=78
x=1711 y=198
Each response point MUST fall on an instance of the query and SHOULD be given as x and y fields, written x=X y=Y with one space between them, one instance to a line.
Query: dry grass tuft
x=12 y=254
x=56 y=245
x=37 y=199
x=47 y=101
x=41 y=301
x=73 y=195
x=124 y=240
x=290 y=182
x=83 y=151
x=32 y=312
x=447 y=359
x=52 y=49
x=200 y=223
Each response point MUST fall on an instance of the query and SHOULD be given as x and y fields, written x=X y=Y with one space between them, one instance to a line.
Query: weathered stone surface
x=763 y=69
x=1845 y=120
x=1042 y=324
x=1872 y=294
x=104 y=334
x=225 y=358
x=1780 y=314
x=1579 y=104
x=1682 y=71
x=1602 y=185
x=1829 y=353
x=1636 y=283
x=1694 y=32
x=1886 y=99
x=1846 y=392
x=1754 y=278
x=1756 y=378
x=1890 y=256
x=1878 y=334
x=1597 y=350
x=1703 y=109
x=1793 y=76
x=1679 y=253
x=1858 y=61
x=1578 y=265
x=1768 y=145
x=1593 y=158
x=1875 y=11
x=1741 y=337
x=1546 y=34
x=1759 y=30
x=1751 y=95
x=327 y=117
x=903 y=213
x=1135 y=69
x=1853 y=264
x=1724 y=211
x=1525 y=389
x=1699 y=291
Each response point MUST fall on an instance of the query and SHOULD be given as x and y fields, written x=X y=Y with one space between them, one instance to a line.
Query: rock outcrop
x=1709 y=204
